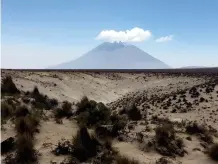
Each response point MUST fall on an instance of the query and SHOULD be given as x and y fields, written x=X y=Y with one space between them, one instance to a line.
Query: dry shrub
x=124 y=160
x=85 y=105
x=21 y=111
x=25 y=152
x=6 y=110
x=41 y=101
x=98 y=113
x=64 y=111
x=164 y=160
x=201 y=131
x=194 y=128
x=166 y=141
x=27 y=124
x=213 y=152
x=133 y=112
x=8 y=86
x=85 y=146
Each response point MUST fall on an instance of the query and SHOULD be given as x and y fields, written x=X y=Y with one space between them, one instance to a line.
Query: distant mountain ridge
x=114 y=56
x=194 y=67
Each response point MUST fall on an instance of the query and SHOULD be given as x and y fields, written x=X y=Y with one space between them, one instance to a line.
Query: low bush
x=213 y=152
x=166 y=142
x=201 y=131
x=64 y=111
x=194 y=128
x=85 y=104
x=41 y=101
x=8 y=86
x=97 y=114
x=53 y=102
x=164 y=134
x=67 y=108
x=119 y=123
x=133 y=112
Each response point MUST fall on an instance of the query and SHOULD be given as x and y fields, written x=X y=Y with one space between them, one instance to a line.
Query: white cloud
x=134 y=35
x=164 y=38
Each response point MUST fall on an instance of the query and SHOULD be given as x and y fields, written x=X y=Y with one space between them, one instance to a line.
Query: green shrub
x=8 y=86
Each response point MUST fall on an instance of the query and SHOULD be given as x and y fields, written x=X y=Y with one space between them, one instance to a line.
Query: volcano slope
x=169 y=117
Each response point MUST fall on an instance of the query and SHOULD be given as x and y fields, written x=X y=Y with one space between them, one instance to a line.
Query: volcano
x=114 y=56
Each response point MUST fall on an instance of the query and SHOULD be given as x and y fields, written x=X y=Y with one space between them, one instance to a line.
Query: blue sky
x=41 y=33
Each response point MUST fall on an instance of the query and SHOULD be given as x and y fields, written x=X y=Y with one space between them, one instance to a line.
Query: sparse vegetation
x=136 y=122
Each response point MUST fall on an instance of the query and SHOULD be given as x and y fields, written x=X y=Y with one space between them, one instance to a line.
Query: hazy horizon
x=39 y=34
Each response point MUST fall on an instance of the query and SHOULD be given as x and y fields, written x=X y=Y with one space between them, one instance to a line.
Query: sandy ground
x=112 y=88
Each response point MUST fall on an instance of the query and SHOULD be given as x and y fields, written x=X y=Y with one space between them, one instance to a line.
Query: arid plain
x=188 y=102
